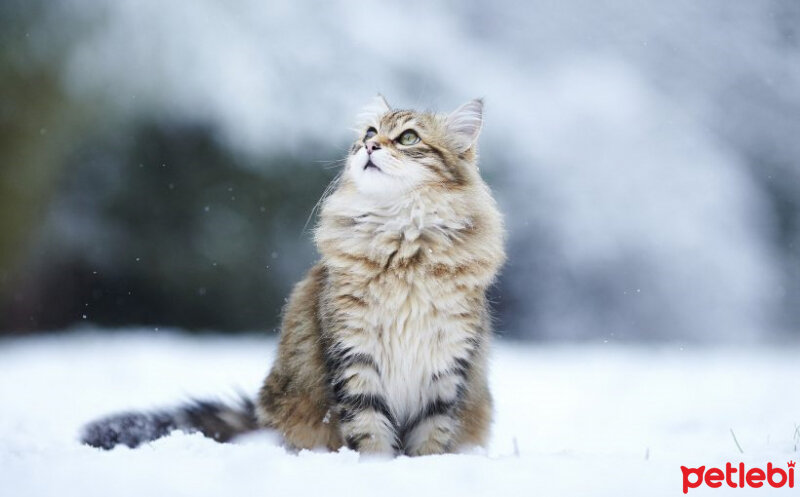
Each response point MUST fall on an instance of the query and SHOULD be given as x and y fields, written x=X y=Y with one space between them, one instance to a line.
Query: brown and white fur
x=384 y=344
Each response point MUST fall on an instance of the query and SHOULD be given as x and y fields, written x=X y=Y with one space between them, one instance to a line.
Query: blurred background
x=159 y=160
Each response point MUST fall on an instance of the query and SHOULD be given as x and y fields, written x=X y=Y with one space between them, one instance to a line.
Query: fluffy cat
x=384 y=344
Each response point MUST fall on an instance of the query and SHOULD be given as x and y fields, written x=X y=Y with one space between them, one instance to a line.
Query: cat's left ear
x=371 y=113
x=464 y=124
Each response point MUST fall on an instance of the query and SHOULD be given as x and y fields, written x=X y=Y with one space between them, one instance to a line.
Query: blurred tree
x=36 y=121
x=161 y=225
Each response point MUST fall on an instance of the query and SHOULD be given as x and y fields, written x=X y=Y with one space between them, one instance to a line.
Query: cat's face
x=400 y=150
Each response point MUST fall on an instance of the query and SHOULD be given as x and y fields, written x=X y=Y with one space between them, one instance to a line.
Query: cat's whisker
x=333 y=164
x=328 y=190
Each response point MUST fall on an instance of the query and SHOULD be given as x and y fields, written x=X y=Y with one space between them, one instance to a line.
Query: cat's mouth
x=371 y=165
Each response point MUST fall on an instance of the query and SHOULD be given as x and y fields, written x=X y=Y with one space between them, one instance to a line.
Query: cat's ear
x=464 y=124
x=371 y=113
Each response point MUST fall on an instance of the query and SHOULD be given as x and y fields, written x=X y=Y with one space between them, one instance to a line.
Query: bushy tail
x=213 y=419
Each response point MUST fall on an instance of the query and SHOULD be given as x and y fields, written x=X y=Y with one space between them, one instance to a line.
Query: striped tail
x=213 y=419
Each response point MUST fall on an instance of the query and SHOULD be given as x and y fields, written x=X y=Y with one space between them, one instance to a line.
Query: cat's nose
x=372 y=146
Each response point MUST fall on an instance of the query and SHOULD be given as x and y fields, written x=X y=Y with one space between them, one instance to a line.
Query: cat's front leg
x=365 y=420
x=435 y=428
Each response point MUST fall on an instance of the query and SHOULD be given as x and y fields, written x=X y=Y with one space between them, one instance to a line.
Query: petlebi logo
x=738 y=476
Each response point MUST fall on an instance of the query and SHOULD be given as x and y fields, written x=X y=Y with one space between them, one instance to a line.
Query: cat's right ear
x=370 y=114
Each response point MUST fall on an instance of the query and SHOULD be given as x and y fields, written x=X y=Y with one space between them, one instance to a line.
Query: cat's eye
x=370 y=133
x=409 y=137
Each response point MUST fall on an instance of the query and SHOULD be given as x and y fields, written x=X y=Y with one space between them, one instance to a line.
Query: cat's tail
x=213 y=419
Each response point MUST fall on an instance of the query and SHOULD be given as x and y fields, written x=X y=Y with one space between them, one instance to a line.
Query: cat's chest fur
x=410 y=335
x=408 y=316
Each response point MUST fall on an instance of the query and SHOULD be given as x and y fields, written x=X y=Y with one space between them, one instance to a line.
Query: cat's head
x=397 y=151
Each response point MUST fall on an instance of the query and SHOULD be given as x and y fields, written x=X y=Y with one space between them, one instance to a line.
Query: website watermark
x=739 y=476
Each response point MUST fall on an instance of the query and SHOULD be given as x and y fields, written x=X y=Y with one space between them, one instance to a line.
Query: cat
x=384 y=344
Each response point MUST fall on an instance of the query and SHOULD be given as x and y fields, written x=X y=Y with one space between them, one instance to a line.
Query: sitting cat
x=384 y=344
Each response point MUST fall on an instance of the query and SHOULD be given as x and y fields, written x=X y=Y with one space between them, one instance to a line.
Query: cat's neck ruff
x=408 y=215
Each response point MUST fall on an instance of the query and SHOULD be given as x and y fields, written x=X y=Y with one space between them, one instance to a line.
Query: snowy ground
x=570 y=420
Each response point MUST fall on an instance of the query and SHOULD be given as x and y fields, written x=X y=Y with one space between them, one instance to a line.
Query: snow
x=588 y=419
